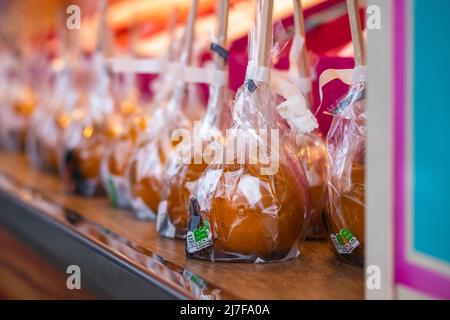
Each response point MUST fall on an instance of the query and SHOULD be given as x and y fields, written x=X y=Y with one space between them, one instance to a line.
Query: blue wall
x=431 y=121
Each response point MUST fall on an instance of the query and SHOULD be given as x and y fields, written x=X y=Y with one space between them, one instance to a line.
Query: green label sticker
x=199 y=282
x=199 y=238
x=112 y=192
x=344 y=241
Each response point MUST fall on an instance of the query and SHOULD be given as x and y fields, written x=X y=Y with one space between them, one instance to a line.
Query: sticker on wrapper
x=344 y=241
x=199 y=282
x=118 y=191
x=200 y=238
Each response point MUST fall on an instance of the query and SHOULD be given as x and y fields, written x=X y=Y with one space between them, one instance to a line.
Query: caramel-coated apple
x=255 y=215
x=345 y=215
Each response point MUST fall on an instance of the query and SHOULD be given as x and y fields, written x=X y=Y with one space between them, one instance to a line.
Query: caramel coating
x=82 y=163
x=313 y=156
x=181 y=186
x=316 y=228
x=23 y=109
x=118 y=160
x=124 y=146
x=258 y=215
x=147 y=183
x=89 y=156
x=47 y=144
x=48 y=154
x=348 y=209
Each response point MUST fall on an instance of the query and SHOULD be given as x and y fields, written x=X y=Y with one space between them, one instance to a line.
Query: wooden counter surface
x=316 y=274
x=25 y=275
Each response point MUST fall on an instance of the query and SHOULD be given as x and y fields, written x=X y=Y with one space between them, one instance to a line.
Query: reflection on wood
x=26 y=275
x=316 y=274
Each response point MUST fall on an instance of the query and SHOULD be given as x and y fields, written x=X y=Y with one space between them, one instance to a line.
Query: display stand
x=121 y=257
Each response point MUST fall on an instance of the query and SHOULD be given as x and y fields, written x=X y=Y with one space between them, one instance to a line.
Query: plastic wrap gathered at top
x=127 y=121
x=251 y=203
x=147 y=166
x=311 y=147
x=86 y=132
x=137 y=125
x=346 y=184
x=45 y=127
x=177 y=105
x=187 y=164
x=18 y=105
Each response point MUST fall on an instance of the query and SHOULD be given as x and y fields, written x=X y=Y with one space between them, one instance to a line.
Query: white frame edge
x=379 y=219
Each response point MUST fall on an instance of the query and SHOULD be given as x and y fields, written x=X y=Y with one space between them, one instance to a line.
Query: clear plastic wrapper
x=313 y=156
x=237 y=210
x=45 y=129
x=250 y=204
x=18 y=106
x=177 y=106
x=86 y=129
x=137 y=127
x=186 y=166
x=147 y=166
x=183 y=170
x=311 y=146
x=128 y=120
x=346 y=181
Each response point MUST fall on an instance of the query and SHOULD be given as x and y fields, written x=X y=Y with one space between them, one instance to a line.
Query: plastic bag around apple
x=188 y=163
x=255 y=209
x=137 y=127
x=135 y=117
x=312 y=153
x=127 y=121
x=182 y=106
x=45 y=130
x=311 y=147
x=86 y=132
x=147 y=166
x=18 y=106
x=345 y=207
x=250 y=204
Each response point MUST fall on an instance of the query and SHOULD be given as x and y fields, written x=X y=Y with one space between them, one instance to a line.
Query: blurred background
x=140 y=28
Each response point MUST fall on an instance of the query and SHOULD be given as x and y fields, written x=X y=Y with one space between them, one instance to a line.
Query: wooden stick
x=357 y=35
x=266 y=33
x=189 y=33
x=299 y=24
x=221 y=30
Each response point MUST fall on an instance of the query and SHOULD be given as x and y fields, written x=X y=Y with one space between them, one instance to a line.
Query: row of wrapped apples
x=90 y=126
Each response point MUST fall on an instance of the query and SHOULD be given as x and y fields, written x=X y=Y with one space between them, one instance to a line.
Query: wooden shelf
x=135 y=245
x=26 y=275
